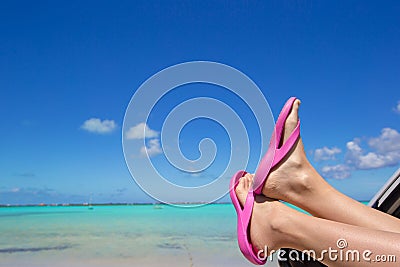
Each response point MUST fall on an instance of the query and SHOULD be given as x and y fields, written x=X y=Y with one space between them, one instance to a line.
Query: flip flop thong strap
x=280 y=122
x=287 y=146
x=247 y=209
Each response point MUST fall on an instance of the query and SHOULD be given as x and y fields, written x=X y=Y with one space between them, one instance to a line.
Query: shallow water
x=138 y=235
x=130 y=235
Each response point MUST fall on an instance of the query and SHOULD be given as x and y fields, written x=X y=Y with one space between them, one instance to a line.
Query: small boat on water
x=157 y=206
x=90 y=207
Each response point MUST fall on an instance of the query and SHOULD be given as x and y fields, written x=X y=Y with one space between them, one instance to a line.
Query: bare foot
x=268 y=218
x=291 y=176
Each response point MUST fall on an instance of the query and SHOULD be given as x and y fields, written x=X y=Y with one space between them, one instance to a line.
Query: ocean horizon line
x=116 y=204
x=105 y=204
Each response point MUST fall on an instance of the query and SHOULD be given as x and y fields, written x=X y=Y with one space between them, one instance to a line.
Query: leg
x=295 y=181
x=274 y=225
x=311 y=233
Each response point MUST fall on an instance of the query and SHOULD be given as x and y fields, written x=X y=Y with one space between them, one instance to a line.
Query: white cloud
x=354 y=146
x=140 y=131
x=326 y=153
x=373 y=161
x=397 y=108
x=385 y=151
x=340 y=171
x=382 y=151
x=96 y=125
x=152 y=148
x=354 y=152
x=388 y=141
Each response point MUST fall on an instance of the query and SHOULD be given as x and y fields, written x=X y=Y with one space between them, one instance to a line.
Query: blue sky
x=66 y=63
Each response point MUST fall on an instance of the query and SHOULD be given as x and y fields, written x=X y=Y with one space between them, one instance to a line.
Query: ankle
x=284 y=227
x=267 y=223
x=309 y=189
x=301 y=184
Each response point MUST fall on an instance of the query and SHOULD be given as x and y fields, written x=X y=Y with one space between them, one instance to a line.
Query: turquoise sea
x=130 y=235
x=126 y=235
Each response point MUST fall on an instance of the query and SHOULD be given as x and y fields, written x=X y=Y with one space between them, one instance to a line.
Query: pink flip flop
x=273 y=156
